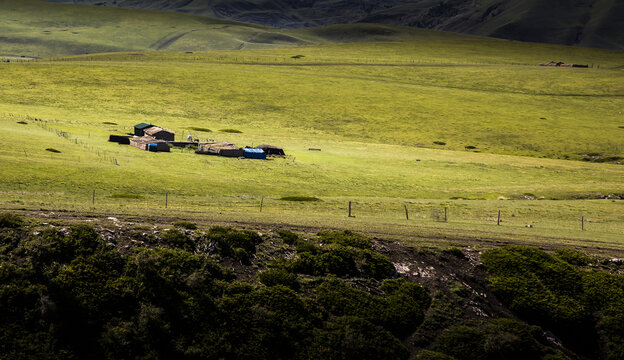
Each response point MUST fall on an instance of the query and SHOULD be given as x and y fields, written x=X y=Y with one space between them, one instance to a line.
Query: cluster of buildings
x=154 y=138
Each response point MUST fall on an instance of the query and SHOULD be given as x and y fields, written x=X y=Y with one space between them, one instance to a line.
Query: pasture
x=510 y=129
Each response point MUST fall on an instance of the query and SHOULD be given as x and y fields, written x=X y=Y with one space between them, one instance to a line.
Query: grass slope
x=40 y=29
x=372 y=109
x=594 y=23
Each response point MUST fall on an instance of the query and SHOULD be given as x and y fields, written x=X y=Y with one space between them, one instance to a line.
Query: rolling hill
x=590 y=23
x=38 y=29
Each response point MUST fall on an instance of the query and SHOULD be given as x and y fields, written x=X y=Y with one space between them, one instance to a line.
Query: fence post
x=261 y=203
x=166 y=199
x=406 y=213
x=445 y=218
x=350 y=209
x=582 y=223
x=498 y=221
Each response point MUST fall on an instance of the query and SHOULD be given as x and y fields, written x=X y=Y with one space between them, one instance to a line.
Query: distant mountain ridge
x=591 y=23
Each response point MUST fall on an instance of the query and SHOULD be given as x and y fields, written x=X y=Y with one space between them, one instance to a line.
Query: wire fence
x=535 y=215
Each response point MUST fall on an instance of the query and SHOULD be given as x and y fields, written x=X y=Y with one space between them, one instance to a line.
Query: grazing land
x=427 y=125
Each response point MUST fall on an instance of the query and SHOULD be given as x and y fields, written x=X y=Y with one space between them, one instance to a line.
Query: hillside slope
x=592 y=23
x=35 y=28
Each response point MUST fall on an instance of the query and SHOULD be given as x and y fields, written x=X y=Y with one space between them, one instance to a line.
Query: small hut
x=271 y=150
x=149 y=144
x=120 y=139
x=251 y=153
x=139 y=129
x=160 y=133
x=222 y=148
x=230 y=151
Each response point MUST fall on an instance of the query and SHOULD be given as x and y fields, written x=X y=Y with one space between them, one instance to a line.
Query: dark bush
x=345 y=238
x=406 y=304
x=83 y=239
x=348 y=337
x=11 y=221
x=199 y=129
x=548 y=291
x=127 y=196
x=432 y=355
x=299 y=198
x=574 y=257
x=455 y=251
x=307 y=246
x=177 y=239
x=499 y=339
x=340 y=299
x=279 y=276
x=439 y=142
x=376 y=265
x=337 y=261
x=185 y=225
x=236 y=244
x=53 y=150
x=288 y=237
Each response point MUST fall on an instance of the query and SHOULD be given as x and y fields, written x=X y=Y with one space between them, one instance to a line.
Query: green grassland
x=375 y=111
x=35 y=28
x=375 y=123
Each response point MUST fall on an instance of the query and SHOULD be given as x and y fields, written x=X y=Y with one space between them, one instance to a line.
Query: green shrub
x=237 y=244
x=176 y=238
x=499 y=339
x=337 y=261
x=11 y=221
x=545 y=290
x=185 y=225
x=288 y=237
x=432 y=355
x=84 y=238
x=231 y=131
x=279 y=276
x=470 y=147
x=199 y=129
x=405 y=306
x=307 y=246
x=439 y=142
x=455 y=251
x=349 y=337
x=376 y=265
x=345 y=238
x=574 y=257
x=127 y=196
x=299 y=198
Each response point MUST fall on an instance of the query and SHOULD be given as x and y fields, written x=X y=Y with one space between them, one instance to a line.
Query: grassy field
x=503 y=127
x=35 y=28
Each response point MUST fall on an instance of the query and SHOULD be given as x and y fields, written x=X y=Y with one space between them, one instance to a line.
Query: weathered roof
x=265 y=146
x=142 y=125
x=156 y=129
x=146 y=139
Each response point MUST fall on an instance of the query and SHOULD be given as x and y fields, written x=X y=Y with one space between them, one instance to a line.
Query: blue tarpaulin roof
x=254 y=153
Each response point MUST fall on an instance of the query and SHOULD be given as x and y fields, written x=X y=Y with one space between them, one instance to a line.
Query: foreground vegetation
x=143 y=292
